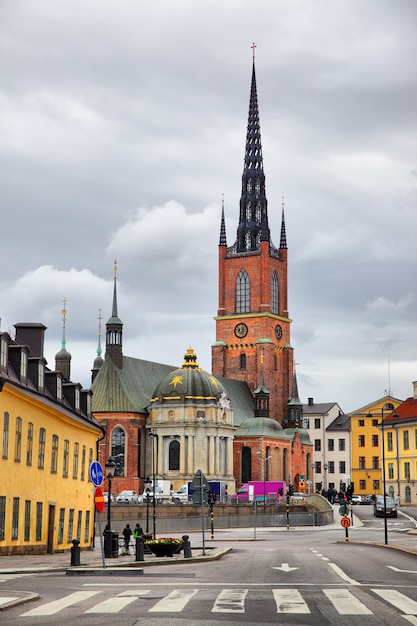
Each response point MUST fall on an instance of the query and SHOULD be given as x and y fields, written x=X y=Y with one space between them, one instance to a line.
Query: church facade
x=241 y=422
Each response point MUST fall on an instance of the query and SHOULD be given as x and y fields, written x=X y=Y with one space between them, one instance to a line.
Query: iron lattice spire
x=283 y=240
x=253 y=220
x=223 y=241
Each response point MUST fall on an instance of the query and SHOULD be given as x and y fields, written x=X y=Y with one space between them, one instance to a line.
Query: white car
x=128 y=495
x=106 y=497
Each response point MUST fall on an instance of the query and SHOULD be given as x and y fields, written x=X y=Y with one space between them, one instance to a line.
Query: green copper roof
x=261 y=427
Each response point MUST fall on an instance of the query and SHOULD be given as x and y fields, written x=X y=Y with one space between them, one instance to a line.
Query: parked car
x=356 y=499
x=127 y=495
x=106 y=497
x=390 y=507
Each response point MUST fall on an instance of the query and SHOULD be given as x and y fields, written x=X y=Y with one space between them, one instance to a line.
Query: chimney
x=415 y=389
x=310 y=401
x=31 y=335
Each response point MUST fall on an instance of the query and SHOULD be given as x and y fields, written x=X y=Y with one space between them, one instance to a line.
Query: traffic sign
x=99 y=499
x=96 y=473
x=344 y=509
x=199 y=480
x=345 y=522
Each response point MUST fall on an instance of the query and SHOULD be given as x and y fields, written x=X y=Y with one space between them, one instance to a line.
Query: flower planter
x=160 y=548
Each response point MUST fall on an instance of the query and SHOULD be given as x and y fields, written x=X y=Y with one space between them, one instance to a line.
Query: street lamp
x=325 y=466
x=313 y=467
x=147 y=483
x=154 y=436
x=387 y=407
x=265 y=460
x=110 y=469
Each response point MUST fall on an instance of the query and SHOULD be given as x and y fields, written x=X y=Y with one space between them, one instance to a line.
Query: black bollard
x=140 y=549
x=75 y=552
x=186 y=546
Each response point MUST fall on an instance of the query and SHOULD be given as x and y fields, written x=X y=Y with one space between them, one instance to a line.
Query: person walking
x=138 y=532
x=127 y=533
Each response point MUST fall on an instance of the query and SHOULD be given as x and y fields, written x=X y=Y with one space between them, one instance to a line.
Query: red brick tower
x=252 y=323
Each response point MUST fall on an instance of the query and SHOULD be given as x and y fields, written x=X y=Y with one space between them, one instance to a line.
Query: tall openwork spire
x=223 y=241
x=253 y=219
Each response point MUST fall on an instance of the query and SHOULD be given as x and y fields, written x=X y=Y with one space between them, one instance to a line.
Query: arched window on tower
x=174 y=456
x=243 y=293
x=118 y=450
x=246 y=464
x=243 y=361
x=274 y=294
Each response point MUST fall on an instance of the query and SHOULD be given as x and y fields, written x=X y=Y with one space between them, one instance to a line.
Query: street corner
x=8 y=598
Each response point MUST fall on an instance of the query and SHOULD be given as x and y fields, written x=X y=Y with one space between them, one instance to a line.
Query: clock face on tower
x=241 y=330
x=278 y=331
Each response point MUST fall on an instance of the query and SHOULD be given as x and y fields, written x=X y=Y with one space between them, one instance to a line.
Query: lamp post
x=387 y=407
x=110 y=469
x=154 y=436
x=147 y=484
x=265 y=460
x=313 y=468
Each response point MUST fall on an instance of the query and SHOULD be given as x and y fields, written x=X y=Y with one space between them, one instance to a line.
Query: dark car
x=389 y=507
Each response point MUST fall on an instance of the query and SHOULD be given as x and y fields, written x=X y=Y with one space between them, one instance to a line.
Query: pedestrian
x=127 y=533
x=397 y=501
x=138 y=532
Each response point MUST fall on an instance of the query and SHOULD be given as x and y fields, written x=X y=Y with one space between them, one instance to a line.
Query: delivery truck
x=163 y=492
x=257 y=490
x=185 y=493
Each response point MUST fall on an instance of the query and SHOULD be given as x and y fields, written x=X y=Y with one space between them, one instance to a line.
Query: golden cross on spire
x=100 y=317
x=115 y=269
x=64 y=312
x=253 y=46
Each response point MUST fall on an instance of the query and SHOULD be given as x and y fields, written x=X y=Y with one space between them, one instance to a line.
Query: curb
x=7 y=602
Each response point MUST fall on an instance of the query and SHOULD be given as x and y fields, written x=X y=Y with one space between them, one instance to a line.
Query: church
x=242 y=421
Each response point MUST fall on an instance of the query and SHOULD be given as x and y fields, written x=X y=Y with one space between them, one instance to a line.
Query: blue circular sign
x=96 y=473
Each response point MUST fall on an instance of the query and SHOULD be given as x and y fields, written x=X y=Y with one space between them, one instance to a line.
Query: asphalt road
x=304 y=577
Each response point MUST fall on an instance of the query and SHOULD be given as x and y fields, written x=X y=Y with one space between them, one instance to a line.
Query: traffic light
x=280 y=491
x=290 y=489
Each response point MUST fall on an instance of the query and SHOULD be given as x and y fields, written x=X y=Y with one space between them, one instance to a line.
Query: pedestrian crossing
x=236 y=601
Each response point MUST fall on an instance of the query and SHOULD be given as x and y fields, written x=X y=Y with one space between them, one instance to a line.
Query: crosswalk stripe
x=397 y=599
x=57 y=605
x=230 y=601
x=346 y=603
x=174 y=602
x=290 y=601
x=112 y=605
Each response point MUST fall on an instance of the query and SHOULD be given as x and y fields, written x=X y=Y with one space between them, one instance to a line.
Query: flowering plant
x=164 y=541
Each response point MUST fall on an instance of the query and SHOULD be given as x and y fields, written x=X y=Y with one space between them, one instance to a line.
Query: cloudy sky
x=123 y=122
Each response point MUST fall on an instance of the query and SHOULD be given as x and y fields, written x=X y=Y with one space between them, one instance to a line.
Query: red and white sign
x=99 y=500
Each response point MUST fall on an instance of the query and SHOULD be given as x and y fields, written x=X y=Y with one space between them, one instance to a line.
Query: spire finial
x=283 y=239
x=115 y=269
x=253 y=46
x=64 y=321
x=99 y=333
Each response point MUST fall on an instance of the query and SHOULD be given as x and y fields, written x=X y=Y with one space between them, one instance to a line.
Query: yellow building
x=400 y=434
x=49 y=440
x=366 y=445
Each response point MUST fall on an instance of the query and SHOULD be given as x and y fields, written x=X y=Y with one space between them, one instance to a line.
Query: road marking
x=397 y=599
x=346 y=603
x=174 y=602
x=411 y=618
x=57 y=605
x=406 y=571
x=5 y=599
x=134 y=592
x=285 y=567
x=112 y=605
x=230 y=601
x=342 y=575
x=290 y=601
